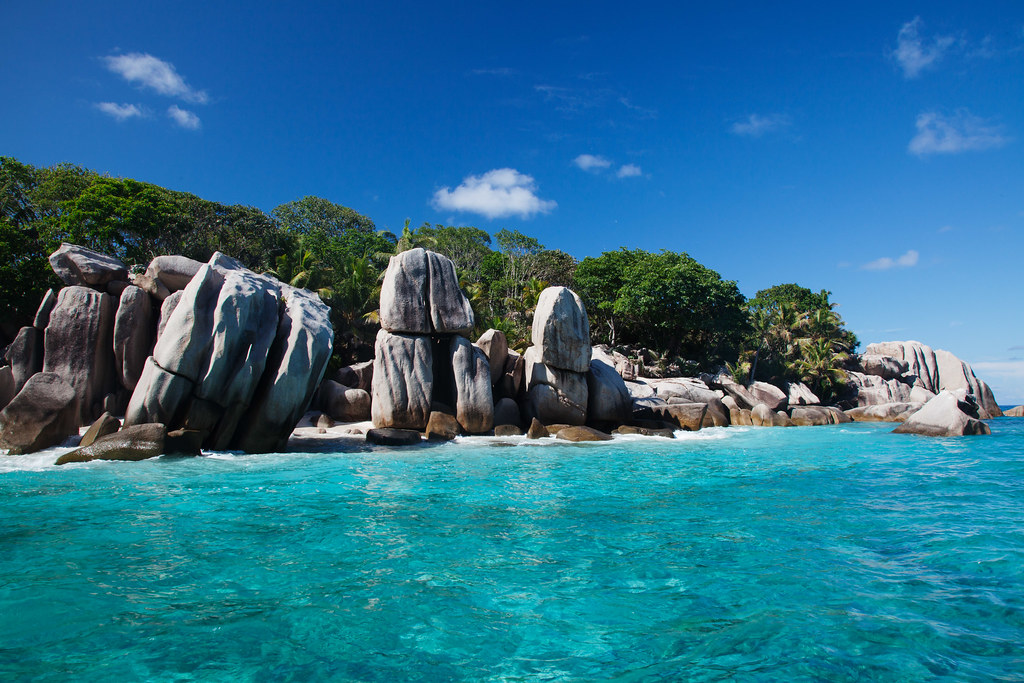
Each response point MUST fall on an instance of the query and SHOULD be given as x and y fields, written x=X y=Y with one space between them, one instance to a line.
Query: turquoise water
x=829 y=553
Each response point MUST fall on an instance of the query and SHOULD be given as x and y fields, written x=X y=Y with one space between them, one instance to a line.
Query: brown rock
x=508 y=430
x=140 y=442
x=442 y=427
x=537 y=430
x=43 y=414
x=581 y=433
x=106 y=424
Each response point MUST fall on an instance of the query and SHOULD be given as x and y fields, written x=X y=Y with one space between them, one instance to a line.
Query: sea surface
x=841 y=553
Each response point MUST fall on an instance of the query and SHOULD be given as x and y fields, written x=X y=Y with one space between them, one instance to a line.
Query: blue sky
x=874 y=150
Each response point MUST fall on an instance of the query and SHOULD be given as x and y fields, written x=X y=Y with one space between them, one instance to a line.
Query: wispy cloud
x=183 y=117
x=908 y=260
x=629 y=171
x=150 y=72
x=757 y=125
x=121 y=112
x=961 y=132
x=914 y=53
x=496 y=194
x=590 y=162
x=498 y=71
x=946 y=228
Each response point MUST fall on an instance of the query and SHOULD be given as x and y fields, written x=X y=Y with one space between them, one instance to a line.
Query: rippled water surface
x=831 y=553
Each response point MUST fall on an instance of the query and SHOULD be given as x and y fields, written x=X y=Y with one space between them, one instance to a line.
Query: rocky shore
x=195 y=356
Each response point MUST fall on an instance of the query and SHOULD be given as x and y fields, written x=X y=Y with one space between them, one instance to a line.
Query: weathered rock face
x=78 y=346
x=561 y=330
x=356 y=376
x=511 y=383
x=474 y=405
x=495 y=346
x=942 y=416
x=7 y=391
x=769 y=395
x=885 y=367
x=506 y=412
x=134 y=328
x=42 y=318
x=236 y=344
x=420 y=295
x=810 y=416
x=555 y=396
x=690 y=389
x=886 y=412
x=608 y=400
x=344 y=403
x=1017 y=411
x=441 y=426
x=800 y=394
x=938 y=370
x=104 y=425
x=744 y=399
x=173 y=272
x=403 y=381
x=578 y=434
x=80 y=266
x=25 y=355
x=43 y=414
x=873 y=390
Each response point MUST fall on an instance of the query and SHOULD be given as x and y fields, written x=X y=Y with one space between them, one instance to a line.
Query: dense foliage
x=665 y=302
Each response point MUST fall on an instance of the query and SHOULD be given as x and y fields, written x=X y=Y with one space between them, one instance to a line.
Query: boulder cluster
x=212 y=352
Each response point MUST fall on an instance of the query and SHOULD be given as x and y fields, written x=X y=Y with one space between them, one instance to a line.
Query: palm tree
x=302 y=269
x=819 y=366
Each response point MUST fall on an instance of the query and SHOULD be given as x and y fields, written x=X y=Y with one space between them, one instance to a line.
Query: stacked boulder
x=557 y=363
x=214 y=348
x=423 y=362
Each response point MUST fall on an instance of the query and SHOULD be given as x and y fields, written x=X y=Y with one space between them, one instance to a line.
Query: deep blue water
x=829 y=553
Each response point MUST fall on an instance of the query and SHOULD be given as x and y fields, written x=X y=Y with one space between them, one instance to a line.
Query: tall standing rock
x=474 y=406
x=133 y=335
x=608 y=399
x=78 y=346
x=403 y=381
x=561 y=330
x=25 y=355
x=554 y=396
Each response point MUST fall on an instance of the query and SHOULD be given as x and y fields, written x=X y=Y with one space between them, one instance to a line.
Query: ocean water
x=830 y=553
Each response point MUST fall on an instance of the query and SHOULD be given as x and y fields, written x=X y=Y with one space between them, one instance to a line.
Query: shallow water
x=828 y=553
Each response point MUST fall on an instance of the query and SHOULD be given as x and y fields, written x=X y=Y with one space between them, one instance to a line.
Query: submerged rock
x=140 y=442
x=389 y=436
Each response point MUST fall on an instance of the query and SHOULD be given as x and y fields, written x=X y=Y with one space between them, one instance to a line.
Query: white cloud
x=756 y=125
x=1006 y=377
x=495 y=194
x=590 y=162
x=961 y=132
x=120 y=112
x=154 y=73
x=913 y=53
x=183 y=117
x=885 y=263
x=629 y=171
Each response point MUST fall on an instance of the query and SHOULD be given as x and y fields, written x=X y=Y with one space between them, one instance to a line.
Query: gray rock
x=104 y=425
x=554 y=395
x=294 y=368
x=78 y=346
x=356 y=376
x=403 y=381
x=608 y=399
x=43 y=414
x=150 y=285
x=690 y=389
x=174 y=272
x=511 y=382
x=938 y=370
x=160 y=396
x=140 y=442
x=561 y=330
x=645 y=431
x=495 y=346
x=769 y=395
x=420 y=295
x=688 y=416
x=133 y=335
x=942 y=416
x=873 y=390
x=166 y=309
x=717 y=414
x=343 y=403
x=506 y=412
x=810 y=416
x=886 y=412
x=7 y=391
x=640 y=389
x=42 y=318
x=389 y=436
x=116 y=288
x=474 y=405
x=80 y=266
x=25 y=355
x=183 y=347
x=885 y=367
x=799 y=394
